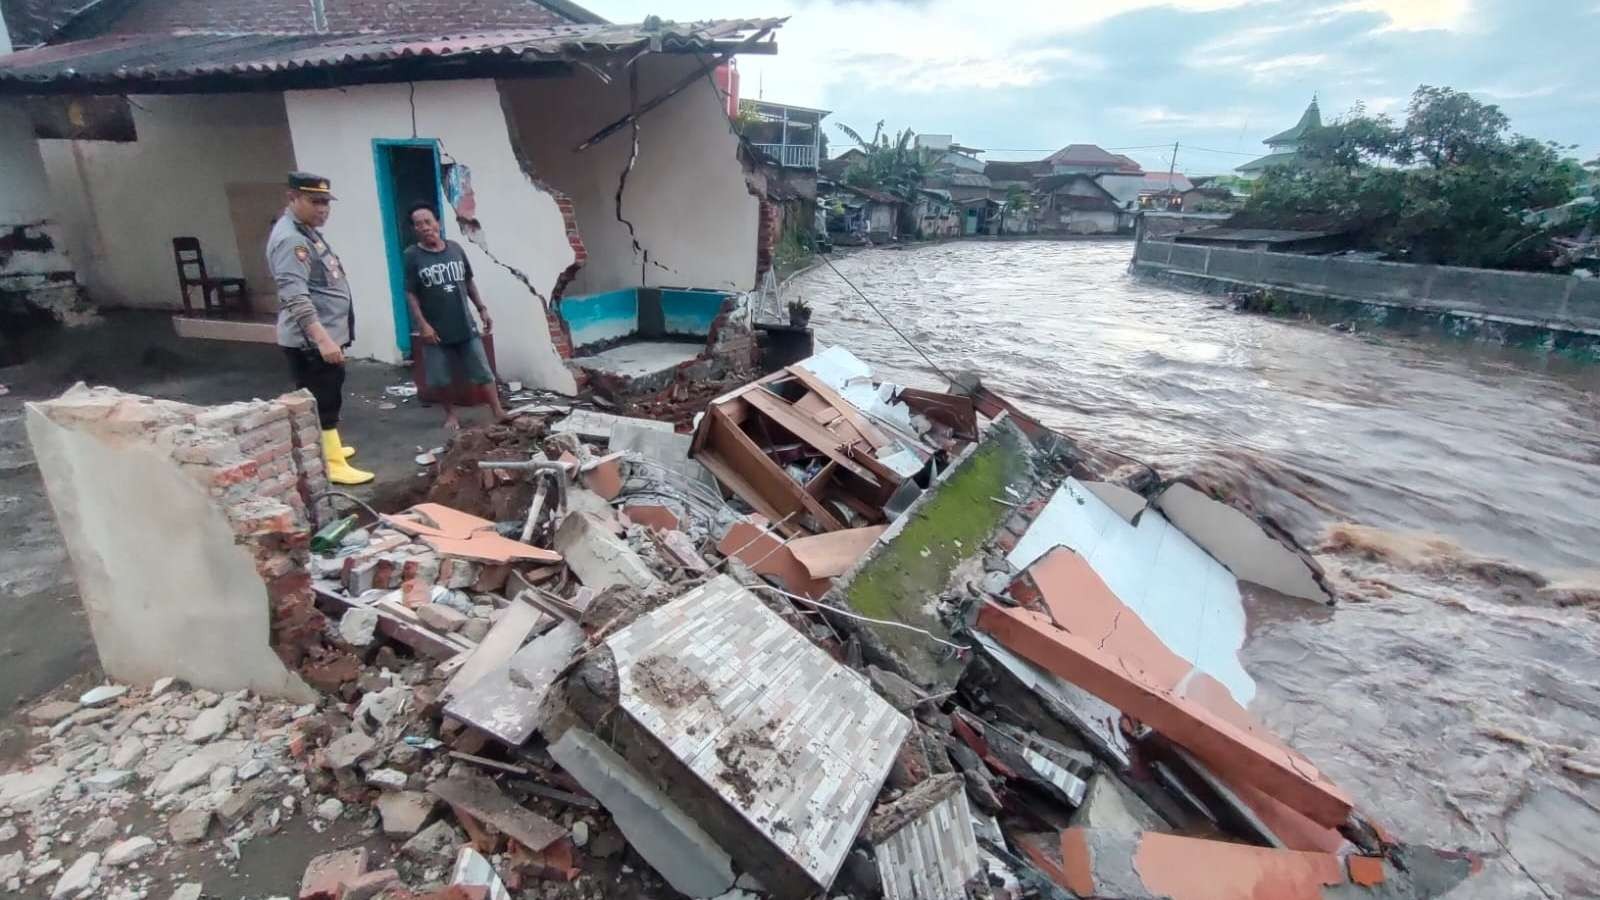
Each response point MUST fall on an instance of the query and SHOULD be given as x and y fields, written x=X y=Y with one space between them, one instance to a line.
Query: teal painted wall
x=690 y=312
x=601 y=317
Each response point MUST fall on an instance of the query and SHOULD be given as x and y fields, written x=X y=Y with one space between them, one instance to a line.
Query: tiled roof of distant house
x=958 y=178
x=1016 y=171
x=870 y=194
x=1056 y=182
x=1162 y=181
x=1092 y=155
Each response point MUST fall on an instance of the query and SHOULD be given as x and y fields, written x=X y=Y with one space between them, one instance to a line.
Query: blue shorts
x=441 y=362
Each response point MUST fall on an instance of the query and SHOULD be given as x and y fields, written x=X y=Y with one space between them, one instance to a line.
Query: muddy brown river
x=1451 y=490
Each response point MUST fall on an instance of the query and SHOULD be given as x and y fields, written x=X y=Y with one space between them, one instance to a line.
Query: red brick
x=329 y=674
x=1366 y=871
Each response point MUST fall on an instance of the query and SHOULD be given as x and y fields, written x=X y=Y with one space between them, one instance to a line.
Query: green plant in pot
x=799 y=313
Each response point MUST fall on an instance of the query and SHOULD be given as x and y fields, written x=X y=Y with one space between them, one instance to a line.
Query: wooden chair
x=216 y=294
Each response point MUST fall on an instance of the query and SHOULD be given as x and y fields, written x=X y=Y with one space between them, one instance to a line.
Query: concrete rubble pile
x=844 y=640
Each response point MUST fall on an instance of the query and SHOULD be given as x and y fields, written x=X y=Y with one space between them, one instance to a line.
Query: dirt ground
x=45 y=640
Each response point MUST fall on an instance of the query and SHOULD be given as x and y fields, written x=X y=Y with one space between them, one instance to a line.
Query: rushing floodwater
x=1452 y=493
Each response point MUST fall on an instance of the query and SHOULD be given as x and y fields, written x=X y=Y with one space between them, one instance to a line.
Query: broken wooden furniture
x=811 y=460
x=217 y=295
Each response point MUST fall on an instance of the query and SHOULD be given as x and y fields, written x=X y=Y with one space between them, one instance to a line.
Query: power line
x=1229 y=152
x=887 y=321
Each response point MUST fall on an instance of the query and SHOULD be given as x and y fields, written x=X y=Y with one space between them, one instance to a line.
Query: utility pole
x=1172 y=171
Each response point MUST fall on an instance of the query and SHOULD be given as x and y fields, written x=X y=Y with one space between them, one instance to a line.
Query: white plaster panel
x=165 y=588
x=1187 y=598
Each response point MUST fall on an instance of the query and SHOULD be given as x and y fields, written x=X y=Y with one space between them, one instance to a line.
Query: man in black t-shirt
x=438 y=285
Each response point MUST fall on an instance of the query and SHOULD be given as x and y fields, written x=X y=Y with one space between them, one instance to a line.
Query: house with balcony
x=790 y=136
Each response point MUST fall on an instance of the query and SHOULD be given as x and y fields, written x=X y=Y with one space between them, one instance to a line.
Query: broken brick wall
x=37 y=283
x=188 y=532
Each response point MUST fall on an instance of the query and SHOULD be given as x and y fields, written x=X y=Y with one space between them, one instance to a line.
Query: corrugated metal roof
x=1251 y=235
x=191 y=55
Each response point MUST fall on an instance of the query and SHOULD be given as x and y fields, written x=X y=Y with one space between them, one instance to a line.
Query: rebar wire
x=887 y=321
x=352 y=498
x=850 y=615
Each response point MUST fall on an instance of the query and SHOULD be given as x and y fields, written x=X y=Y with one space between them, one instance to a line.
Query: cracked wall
x=690 y=210
x=523 y=227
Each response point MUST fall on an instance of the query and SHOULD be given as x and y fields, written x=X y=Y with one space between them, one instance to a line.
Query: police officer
x=316 y=318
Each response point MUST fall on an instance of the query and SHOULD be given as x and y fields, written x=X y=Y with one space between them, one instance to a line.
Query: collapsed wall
x=188 y=532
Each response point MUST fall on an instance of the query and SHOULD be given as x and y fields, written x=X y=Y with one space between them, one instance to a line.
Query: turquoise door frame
x=394 y=241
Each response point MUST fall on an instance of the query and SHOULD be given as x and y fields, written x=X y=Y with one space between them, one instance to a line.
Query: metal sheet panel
x=1188 y=599
x=797 y=743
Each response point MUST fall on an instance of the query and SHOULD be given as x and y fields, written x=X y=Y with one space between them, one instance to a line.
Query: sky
x=1022 y=78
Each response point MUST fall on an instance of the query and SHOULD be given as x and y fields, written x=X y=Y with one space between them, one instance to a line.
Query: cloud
x=1161 y=116
x=1417 y=15
x=1278 y=66
x=998 y=71
x=1034 y=75
x=1506 y=92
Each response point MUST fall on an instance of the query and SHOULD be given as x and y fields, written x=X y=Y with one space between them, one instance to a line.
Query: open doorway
x=408 y=173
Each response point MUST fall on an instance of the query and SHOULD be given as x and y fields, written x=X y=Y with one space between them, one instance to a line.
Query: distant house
x=1077 y=204
x=962 y=185
x=1004 y=175
x=935 y=214
x=950 y=155
x=861 y=215
x=980 y=215
x=1284 y=146
x=791 y=136
x=834 y=169
x=1089 y=159
x=1209 y=199
x=1146 y=190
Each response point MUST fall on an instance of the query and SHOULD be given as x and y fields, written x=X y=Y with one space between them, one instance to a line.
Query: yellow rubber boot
x=339 y=471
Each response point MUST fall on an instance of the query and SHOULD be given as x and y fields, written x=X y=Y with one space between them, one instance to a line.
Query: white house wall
x=40 y=270
x=333 y=131
x=122 y=203
x=24 y=190
x=686 y=196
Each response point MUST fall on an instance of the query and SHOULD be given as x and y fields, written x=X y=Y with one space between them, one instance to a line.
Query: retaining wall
x=1551 y=302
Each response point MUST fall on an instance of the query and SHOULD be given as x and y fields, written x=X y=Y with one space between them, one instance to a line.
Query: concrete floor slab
x=642 y=358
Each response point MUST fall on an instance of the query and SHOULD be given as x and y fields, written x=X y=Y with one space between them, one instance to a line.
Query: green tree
x=892 y=165
x=1446 y=127
x=1450 y=185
